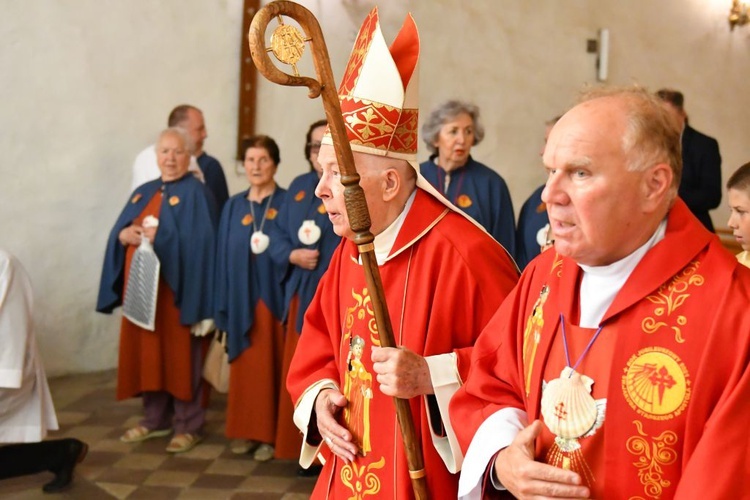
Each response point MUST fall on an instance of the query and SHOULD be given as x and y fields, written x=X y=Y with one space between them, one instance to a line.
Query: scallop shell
x=568 y=408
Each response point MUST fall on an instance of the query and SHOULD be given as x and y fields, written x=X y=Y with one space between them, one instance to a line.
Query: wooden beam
x=248 y=80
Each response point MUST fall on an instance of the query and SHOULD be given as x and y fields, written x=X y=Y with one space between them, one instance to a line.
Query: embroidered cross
x=560 y=411
x=663 y=380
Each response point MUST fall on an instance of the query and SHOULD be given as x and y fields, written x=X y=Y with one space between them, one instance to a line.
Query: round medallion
x=541 y=235
x=287 y=44
x=656 y=383
x=309 y=232
x=259 y=242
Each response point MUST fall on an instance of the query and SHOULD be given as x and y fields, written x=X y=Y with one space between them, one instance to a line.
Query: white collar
x=600 y=284
x=384 y=241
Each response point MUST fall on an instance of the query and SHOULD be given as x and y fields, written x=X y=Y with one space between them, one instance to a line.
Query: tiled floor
x=87 y=410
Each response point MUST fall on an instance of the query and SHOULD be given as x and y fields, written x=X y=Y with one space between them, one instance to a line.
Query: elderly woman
x=449 y=132
x=249 y=304
x=305 y=242
x=163 y=366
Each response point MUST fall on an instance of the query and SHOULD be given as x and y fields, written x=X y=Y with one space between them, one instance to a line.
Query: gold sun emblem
x=656 y=383
x=287 y=44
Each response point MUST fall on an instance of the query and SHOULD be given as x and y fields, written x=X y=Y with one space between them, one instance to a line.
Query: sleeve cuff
x=495 y=433
x=302 y=417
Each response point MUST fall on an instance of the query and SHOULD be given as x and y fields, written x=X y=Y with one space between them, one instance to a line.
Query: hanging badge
x=309 y=232
x=259 y=242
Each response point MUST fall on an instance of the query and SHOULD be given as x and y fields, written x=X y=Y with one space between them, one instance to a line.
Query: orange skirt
x=254 y=409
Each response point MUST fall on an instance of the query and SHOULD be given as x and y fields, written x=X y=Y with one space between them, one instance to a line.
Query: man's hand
x=521 y=475
x=131 y=235
x=327 y=405
x=304 y=258
x=401 y=373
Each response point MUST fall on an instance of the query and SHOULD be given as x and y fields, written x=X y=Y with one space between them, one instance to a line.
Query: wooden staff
x=288 y=44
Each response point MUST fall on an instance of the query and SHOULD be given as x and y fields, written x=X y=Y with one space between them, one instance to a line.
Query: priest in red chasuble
x=444 y=277
x=635 y=383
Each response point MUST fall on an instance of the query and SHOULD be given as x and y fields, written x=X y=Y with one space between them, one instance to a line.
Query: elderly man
x=205 y=167
x=619 y=365
x=443 y=277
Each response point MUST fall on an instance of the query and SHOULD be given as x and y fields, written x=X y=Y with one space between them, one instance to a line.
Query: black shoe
x=74 y=453
x=312 y=471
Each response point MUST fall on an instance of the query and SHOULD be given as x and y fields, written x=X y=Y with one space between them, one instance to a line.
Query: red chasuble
x=443 y=281
x=678 y=388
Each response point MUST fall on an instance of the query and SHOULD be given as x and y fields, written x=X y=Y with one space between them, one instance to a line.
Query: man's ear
x=657 y=184
x=392 y=183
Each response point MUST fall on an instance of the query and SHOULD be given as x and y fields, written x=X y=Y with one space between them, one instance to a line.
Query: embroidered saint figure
x=358 y=391
x=532 y=334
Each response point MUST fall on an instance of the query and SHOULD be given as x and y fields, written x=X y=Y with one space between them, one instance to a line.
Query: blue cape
x=215 y=179
x=243 y=278
x=490 y=206
x=532 y=218
x=184 y=244
x=301 y=205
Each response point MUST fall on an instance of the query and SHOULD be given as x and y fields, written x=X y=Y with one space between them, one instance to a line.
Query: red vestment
x=678 y=390
x=443 y=280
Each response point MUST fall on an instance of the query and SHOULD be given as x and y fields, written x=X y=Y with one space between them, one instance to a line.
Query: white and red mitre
x=379 y=98
x=379 y=94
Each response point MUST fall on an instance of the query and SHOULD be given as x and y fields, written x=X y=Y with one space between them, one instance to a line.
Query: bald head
x=610 y=179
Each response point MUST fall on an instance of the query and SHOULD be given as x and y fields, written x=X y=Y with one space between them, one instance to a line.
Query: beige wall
x=87 y=84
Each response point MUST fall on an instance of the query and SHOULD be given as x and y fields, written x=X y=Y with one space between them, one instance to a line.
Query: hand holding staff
x=288 y=44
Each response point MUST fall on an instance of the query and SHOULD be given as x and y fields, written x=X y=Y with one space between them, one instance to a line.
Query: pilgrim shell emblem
x=174 y=200
x=135 y=198
x=247 y=220
x=272 y=213
x=321 y=209
x=299 y=196
x=656 y=383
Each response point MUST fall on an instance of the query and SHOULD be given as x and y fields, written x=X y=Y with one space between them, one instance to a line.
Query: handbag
x=216 y=366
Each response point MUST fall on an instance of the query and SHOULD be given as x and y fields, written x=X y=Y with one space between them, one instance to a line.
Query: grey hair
x=187 y=141
x=651 y=136
x=444 y=113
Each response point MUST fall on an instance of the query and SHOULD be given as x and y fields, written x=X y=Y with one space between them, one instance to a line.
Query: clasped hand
x=517 y=470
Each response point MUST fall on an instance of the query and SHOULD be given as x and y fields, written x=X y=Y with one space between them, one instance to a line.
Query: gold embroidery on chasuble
x=653 y=455
x=362 y=480
x=656 y=383
x=359 y=325
x=532 y=335
x=557 y=266
x=670 y=297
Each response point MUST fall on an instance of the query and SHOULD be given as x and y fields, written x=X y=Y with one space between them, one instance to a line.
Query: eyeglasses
x=314 y=146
